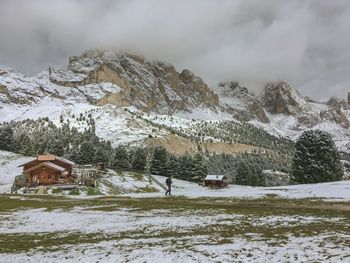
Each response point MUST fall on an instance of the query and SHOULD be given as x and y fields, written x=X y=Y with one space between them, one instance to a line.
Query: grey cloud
x=305 y=43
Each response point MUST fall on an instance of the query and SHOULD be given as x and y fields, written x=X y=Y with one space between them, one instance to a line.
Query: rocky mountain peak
x=280 y=97
x=242 y=104
x=147 y=85
x=234 y=89
x=337 y=103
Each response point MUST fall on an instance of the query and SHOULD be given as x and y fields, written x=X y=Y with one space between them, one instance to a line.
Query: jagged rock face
x=280 y=97
x=4 y=92
x=149 y=86
x=334 y=115
x=100 y=78
x=337 y=103
x=238 y=101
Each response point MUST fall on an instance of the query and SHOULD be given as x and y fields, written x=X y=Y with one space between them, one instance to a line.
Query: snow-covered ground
x=9 y=169
x=334 y=190
x=128 y=182
x=115 y=232
x=120 y=229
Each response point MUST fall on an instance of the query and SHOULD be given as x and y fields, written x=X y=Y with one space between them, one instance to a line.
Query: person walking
x=168 y=182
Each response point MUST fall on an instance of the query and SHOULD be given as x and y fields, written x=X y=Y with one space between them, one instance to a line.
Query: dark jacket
x=168 y=181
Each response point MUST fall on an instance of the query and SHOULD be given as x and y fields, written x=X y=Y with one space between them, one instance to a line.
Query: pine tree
x=255 y=175
x=100 y=155
x=121 y=158
x=86 y=153
x=316 y=159
x=74 y=154
x=200 y=169
x=140 y=159
x=159 y=161
x=186 y=167
x=242 y=173
x=6 y=138
x=25 y=143
x=173 y=166
x=55 y=146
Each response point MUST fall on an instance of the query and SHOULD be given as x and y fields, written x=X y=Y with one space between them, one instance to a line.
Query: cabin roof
x=48 y=157
x=64 y=160
x=213 y=177
x=46 y=164
x=31 y=161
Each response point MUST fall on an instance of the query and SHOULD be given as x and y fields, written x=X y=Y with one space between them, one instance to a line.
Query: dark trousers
x=169 y=190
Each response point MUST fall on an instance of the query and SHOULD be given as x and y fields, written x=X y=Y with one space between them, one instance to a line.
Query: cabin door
x=44 y=176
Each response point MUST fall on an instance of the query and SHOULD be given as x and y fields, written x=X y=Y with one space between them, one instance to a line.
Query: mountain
x=148 y=86
x=130 y=98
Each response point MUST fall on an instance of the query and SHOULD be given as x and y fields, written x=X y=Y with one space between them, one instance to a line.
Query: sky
x=303 y=42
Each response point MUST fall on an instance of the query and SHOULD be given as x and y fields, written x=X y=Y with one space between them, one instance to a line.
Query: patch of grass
x=56 y=191
x=137 y=176
x=74 y=191
x=93 y=191
x=147 y=189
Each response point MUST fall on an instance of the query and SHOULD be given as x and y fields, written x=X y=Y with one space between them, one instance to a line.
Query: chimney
x=348 y=98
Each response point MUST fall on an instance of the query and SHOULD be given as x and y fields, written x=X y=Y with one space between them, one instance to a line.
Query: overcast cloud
x=306 y=42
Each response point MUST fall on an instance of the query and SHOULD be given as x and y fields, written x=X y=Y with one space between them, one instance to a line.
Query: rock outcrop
x=149 y=86
x=280 y=97
x=242 y=104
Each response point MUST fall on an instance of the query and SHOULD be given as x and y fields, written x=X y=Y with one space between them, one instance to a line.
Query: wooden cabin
x=48 y=169
x=217 y=181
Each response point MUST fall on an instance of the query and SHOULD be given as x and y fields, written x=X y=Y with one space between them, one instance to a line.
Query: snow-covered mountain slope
x=109 y=86
x=239 y=102
x=282 y=111
x=9 y=169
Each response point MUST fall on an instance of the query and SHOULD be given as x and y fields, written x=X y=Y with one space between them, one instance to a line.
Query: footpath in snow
x=339 y=191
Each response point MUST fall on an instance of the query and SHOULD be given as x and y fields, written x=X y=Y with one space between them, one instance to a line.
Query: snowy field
x=43 y=229
x=137 y=223
x=333 y=191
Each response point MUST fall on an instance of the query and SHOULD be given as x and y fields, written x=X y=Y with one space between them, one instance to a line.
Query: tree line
x=31 y=138
x=316 y=157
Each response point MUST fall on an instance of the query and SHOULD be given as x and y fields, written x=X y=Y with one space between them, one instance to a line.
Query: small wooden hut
x=48 y=169
x=217 y=181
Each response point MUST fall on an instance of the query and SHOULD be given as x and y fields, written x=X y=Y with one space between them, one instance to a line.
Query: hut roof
x=46 y=164
x=48 y=157
x=212 y=177
x=64 y=160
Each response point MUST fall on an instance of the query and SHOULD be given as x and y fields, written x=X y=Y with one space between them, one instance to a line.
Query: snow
x=60 y=74
x=214 y=177
x=9 y=163
x=131 y=182
x=36 y=96
x=9 y=169
x=164 y=235
x=335 y=190
x=97 y=91
x=204 y=114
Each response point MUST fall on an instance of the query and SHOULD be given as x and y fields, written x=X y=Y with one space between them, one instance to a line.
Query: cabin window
x=49 y=176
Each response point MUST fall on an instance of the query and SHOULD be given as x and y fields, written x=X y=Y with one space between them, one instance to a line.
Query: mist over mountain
x=305 y=43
